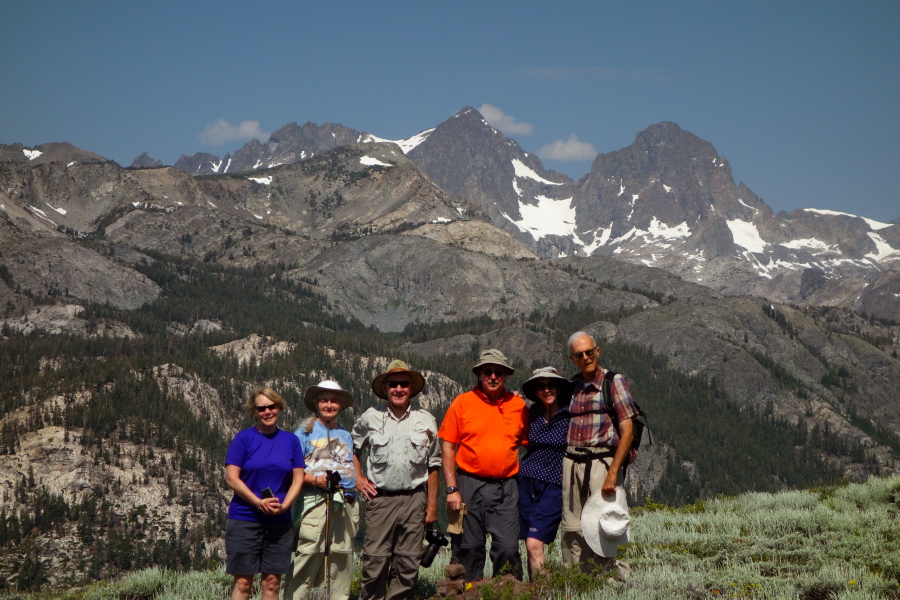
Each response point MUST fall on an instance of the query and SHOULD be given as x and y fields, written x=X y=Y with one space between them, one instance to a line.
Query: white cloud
x=221 y=132
x=570 y=149
x=504 y=123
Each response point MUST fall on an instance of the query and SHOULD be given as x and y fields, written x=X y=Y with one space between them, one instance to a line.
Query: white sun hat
x=605 y=522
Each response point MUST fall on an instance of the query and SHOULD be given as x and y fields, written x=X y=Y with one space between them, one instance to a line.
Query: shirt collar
x=484 y=397
x=403 y=416
x=596 y=382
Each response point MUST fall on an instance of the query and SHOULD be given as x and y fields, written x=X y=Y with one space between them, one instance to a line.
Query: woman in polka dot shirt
x=540 y=471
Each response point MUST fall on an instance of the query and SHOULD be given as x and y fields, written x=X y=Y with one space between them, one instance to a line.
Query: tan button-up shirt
x=400 y=450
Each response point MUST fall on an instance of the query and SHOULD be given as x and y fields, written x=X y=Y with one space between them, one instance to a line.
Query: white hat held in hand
x=604 y=522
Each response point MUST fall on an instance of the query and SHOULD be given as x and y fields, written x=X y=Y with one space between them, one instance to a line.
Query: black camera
x=436 y=540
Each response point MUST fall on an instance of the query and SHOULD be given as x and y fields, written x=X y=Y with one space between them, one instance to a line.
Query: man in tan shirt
x=400 y=484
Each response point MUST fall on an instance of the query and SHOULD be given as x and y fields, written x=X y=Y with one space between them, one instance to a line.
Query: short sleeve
x=298 y=457
x=622 y=401
x=303 y=438
x=237 y=451
x=449 y=431
x=434 y=452
x=360 y=432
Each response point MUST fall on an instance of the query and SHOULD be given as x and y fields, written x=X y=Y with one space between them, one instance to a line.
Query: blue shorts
x=540 y=509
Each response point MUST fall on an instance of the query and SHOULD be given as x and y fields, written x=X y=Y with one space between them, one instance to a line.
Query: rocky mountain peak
x=468 y=157
x=144 y=161
x=60 y=152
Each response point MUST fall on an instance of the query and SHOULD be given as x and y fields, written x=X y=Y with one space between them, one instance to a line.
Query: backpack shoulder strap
x=607 y=397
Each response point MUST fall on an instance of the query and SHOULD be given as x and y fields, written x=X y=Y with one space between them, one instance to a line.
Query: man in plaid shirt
x=596 y=453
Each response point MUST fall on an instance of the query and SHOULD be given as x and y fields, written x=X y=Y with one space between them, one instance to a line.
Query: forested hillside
x=111 y=446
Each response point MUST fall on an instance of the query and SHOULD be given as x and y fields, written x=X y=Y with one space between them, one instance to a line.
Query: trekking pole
x=333 y=482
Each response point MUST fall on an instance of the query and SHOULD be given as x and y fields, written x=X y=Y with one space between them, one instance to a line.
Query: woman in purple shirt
x=264 y=466
x=540 y=470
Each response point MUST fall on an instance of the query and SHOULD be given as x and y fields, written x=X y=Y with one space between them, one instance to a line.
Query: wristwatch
x=451 y=489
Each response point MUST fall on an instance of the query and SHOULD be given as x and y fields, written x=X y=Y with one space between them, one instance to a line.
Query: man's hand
x=430 y=515
x=609 y=484
x=454 y=501
x=367 y=488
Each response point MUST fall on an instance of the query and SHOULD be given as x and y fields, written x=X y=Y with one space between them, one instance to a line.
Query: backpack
x=639 y=420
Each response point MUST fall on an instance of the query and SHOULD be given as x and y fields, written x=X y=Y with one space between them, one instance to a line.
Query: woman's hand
x=271 y=506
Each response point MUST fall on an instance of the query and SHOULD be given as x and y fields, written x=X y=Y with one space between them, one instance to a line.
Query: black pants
x=492 y=509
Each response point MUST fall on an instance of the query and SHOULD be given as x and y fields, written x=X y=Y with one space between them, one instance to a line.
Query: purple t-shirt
x=266 y=461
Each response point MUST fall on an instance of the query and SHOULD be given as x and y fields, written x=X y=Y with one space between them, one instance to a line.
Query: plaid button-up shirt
x=597 y=430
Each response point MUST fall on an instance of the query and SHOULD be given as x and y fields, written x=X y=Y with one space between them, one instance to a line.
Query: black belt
x=418 y=488
x=486 y=479
x=588 y=455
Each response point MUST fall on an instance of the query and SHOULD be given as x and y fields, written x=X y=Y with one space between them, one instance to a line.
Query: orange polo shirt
x=487 y=434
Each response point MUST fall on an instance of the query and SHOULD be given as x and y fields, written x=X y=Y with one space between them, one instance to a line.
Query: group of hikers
x=295 y=509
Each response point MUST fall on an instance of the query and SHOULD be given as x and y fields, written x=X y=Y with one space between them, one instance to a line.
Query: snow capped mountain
x=668 y=200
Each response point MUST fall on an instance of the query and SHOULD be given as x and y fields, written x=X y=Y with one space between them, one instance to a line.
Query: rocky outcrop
x=253 y=349
x=63 y=318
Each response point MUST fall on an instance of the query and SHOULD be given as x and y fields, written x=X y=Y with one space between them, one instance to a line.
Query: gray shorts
x=253 y=547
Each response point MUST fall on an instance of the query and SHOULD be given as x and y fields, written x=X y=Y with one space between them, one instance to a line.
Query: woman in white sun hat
x=328 y=451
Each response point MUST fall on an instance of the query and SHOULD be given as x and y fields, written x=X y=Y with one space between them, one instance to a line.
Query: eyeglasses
x=584 y=354
x=496 y=372
x=262 y=409
x=397 y=383
x=545 y=386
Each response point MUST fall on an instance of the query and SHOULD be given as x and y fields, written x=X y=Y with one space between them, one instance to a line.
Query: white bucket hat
x=312 y=392
x=605 y=523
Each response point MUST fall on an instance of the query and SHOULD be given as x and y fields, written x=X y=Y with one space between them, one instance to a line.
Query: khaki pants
x=573 y=546
x=395 y=530
x=308 y=569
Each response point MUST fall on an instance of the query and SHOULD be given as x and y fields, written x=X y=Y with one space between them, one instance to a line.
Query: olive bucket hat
x=326 y=386
x=492 y=357
x=398 y=366
x=565 y=387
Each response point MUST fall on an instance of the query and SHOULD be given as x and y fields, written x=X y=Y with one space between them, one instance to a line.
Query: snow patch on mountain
x=883 y=249
x=370 y=161
x=522 y=170
x=31 y=154
x=548 y=217
x=262 y=180
x=406 y=145
x=810 y=244
x=659 y=229
x=747 y=205
x=601 y=236
x=746 y=235
x=876 y=225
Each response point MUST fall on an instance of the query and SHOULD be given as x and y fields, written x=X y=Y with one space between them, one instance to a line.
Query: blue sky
x=802 y=97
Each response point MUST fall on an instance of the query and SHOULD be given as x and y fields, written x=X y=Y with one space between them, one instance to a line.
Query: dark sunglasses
x=262 y=409
x=396 y=383
x=489 y=371
x=585 y=353
x=545 y=386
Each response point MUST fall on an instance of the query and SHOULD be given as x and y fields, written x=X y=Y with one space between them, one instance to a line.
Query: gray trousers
x=492 y=508
x=395 y=531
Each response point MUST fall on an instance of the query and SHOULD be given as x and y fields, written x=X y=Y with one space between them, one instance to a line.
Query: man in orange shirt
x=480 y=438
